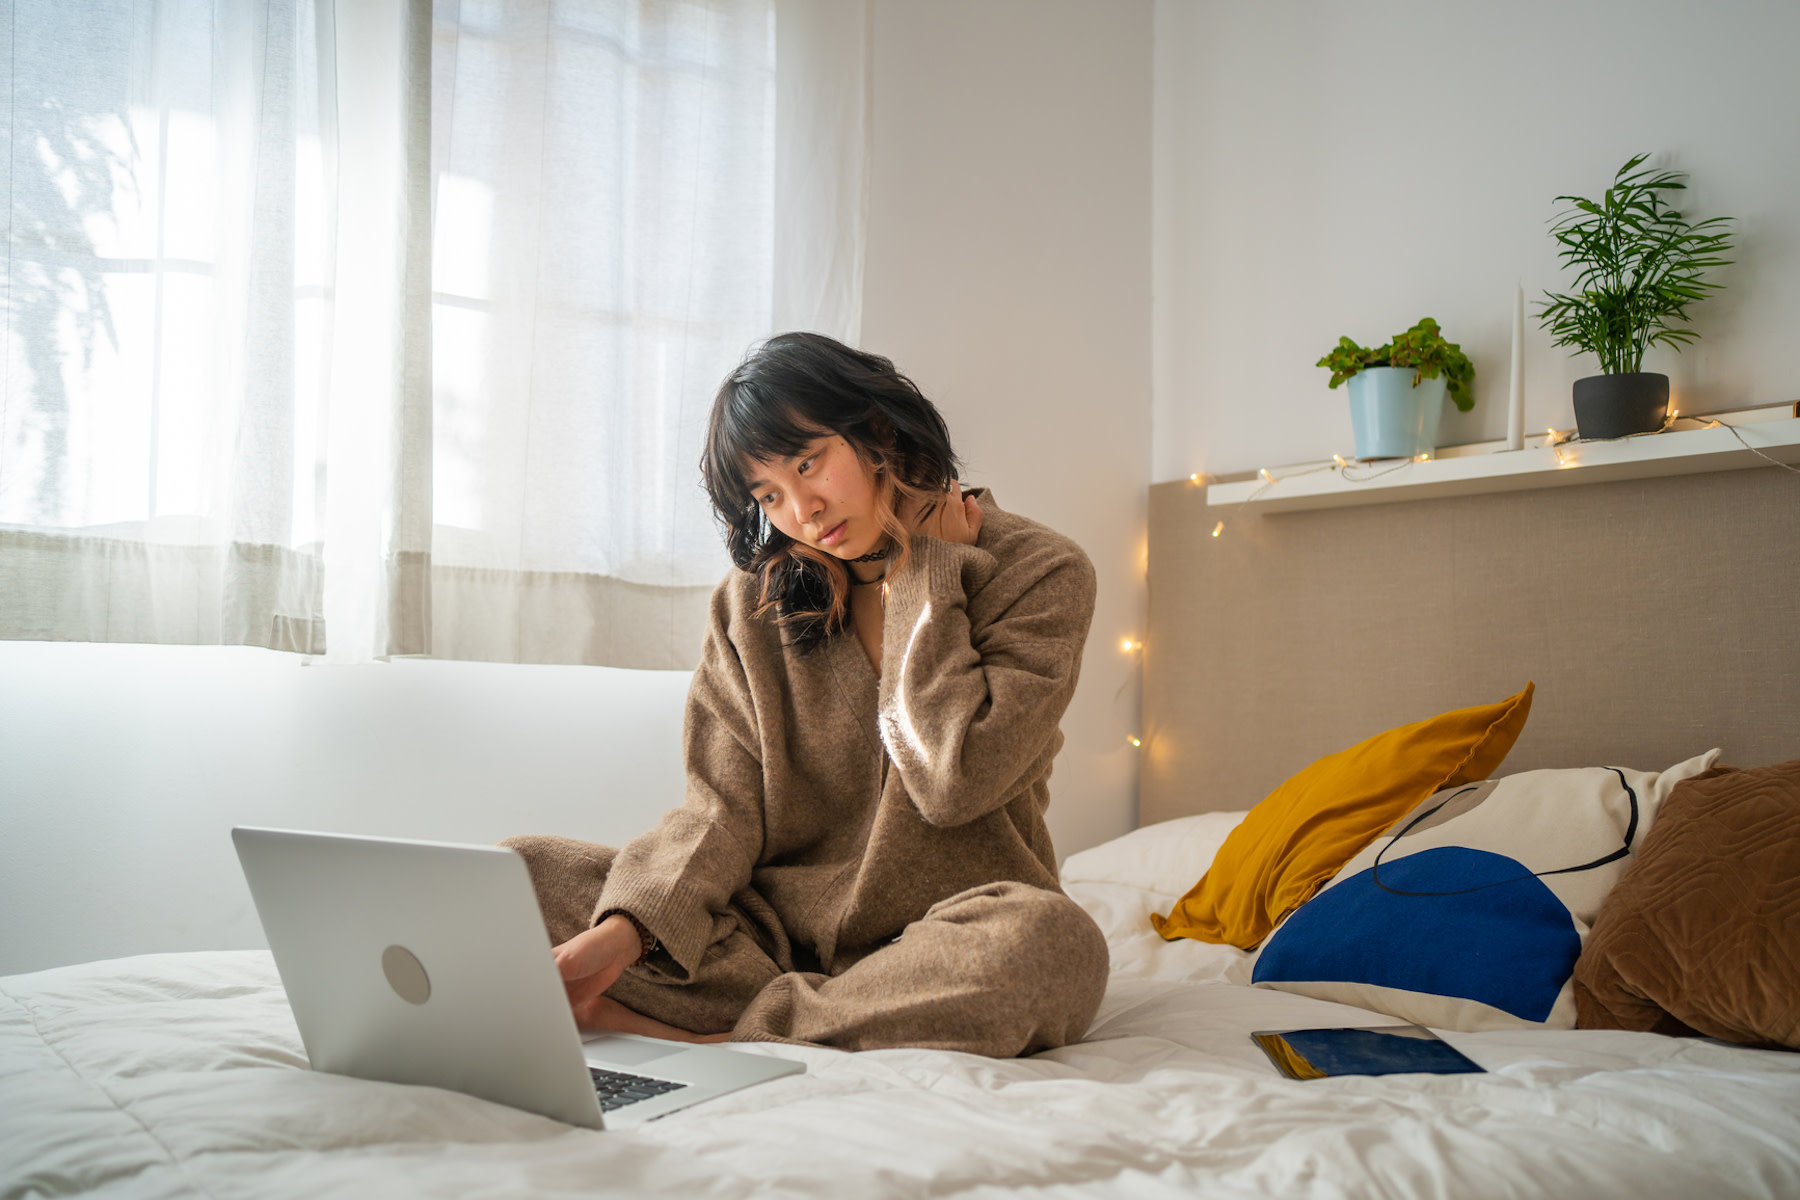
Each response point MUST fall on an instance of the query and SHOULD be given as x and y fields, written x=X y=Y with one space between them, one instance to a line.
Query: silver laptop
x=428 y=963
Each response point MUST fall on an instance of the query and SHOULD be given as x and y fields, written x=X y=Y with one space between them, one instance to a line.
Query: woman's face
x=825 y=496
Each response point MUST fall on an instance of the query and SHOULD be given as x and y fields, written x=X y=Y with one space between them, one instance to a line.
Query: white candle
x=1515 y=409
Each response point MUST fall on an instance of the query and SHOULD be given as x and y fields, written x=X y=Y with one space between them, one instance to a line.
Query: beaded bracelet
x=646 y=939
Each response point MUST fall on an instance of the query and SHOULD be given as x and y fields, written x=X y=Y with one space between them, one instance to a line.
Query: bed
x=183 y=1075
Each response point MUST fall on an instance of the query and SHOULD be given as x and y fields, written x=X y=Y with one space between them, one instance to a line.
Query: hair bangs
x=755 y=428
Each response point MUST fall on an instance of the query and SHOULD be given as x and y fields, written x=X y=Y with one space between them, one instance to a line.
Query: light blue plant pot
x=1391 y=417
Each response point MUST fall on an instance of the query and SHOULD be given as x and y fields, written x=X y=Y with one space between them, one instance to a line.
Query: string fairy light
x=1714 y=423
x=1134 y=649
x=1401 y=465
x=1270 y=479
x=1554 y=440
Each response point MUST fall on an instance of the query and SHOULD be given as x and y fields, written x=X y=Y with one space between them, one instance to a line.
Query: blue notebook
x=1378 y=1050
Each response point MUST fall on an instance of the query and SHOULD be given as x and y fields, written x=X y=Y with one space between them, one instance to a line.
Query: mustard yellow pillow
x=1320 y=819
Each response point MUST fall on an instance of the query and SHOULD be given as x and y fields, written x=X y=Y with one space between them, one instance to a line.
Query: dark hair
x=773 y=405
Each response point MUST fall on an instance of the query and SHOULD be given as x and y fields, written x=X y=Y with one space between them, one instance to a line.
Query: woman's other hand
x=591 y=961
x=955 y=518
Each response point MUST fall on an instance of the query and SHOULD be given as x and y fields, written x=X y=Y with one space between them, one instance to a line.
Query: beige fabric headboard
x=1659 y=617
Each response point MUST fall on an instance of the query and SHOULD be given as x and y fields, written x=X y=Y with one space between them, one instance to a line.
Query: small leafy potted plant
x=1638 y=266
x=1397 y=390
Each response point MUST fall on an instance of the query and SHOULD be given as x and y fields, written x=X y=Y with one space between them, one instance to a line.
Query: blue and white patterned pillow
x=1469 y=913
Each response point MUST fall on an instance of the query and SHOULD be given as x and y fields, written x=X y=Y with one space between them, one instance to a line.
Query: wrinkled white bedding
x=183 y=1075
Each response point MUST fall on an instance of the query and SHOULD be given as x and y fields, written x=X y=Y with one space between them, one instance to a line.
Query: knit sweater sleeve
x=980 y=655
x=677 y=877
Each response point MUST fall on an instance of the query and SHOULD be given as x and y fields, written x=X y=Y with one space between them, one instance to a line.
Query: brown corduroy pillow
x=1703 y=932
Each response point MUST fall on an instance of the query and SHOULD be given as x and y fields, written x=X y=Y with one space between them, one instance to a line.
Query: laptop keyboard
x=619 y=1088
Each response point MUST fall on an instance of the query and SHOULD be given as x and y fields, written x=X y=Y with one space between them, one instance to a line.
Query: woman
x=861 y=860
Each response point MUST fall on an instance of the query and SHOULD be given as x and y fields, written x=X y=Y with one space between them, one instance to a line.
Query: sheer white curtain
x=214 y=292
x=222 y=417
x=608 y=178
x=168 y=257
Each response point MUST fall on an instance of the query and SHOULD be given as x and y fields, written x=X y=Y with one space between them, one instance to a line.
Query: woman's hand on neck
x=953 y=518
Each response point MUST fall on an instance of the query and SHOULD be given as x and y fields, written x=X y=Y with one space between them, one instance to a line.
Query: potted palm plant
x=1397 y=390
x=1638 y=265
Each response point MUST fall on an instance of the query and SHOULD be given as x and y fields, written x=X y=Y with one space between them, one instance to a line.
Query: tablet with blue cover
x=1377 y=1050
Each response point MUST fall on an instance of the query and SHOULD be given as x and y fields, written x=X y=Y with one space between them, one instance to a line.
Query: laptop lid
x=420 y=962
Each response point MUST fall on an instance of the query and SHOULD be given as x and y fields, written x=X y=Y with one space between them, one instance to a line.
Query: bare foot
x=607 y=1015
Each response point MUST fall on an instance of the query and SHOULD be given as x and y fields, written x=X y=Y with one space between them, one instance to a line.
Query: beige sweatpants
x=1002 y=970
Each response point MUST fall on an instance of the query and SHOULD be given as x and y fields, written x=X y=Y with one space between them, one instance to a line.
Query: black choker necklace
x=872 y=556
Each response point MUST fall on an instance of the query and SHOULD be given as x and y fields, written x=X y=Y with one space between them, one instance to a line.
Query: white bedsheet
x=183 y=1075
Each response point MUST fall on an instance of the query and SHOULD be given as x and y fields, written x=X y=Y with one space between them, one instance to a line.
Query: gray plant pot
x=1613 y=406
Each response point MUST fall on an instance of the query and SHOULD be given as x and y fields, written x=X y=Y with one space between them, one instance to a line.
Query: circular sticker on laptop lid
x=406 y=974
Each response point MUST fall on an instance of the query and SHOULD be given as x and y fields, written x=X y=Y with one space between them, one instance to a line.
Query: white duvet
x=183 y=1075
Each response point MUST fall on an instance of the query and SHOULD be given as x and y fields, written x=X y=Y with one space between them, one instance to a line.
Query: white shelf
x=1686 y=452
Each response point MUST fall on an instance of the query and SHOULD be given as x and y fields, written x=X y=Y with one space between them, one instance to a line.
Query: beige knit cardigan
x=852 y=803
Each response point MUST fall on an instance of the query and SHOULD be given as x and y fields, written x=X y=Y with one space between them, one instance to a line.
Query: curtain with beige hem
x=401 y=320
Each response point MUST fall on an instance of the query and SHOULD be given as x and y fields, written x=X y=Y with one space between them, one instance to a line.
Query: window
x=401 y=316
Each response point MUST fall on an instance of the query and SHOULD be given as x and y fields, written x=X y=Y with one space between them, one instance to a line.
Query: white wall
x=1329 y=169
x=1008 y=274
x=123 y=769
x=1008 y=271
